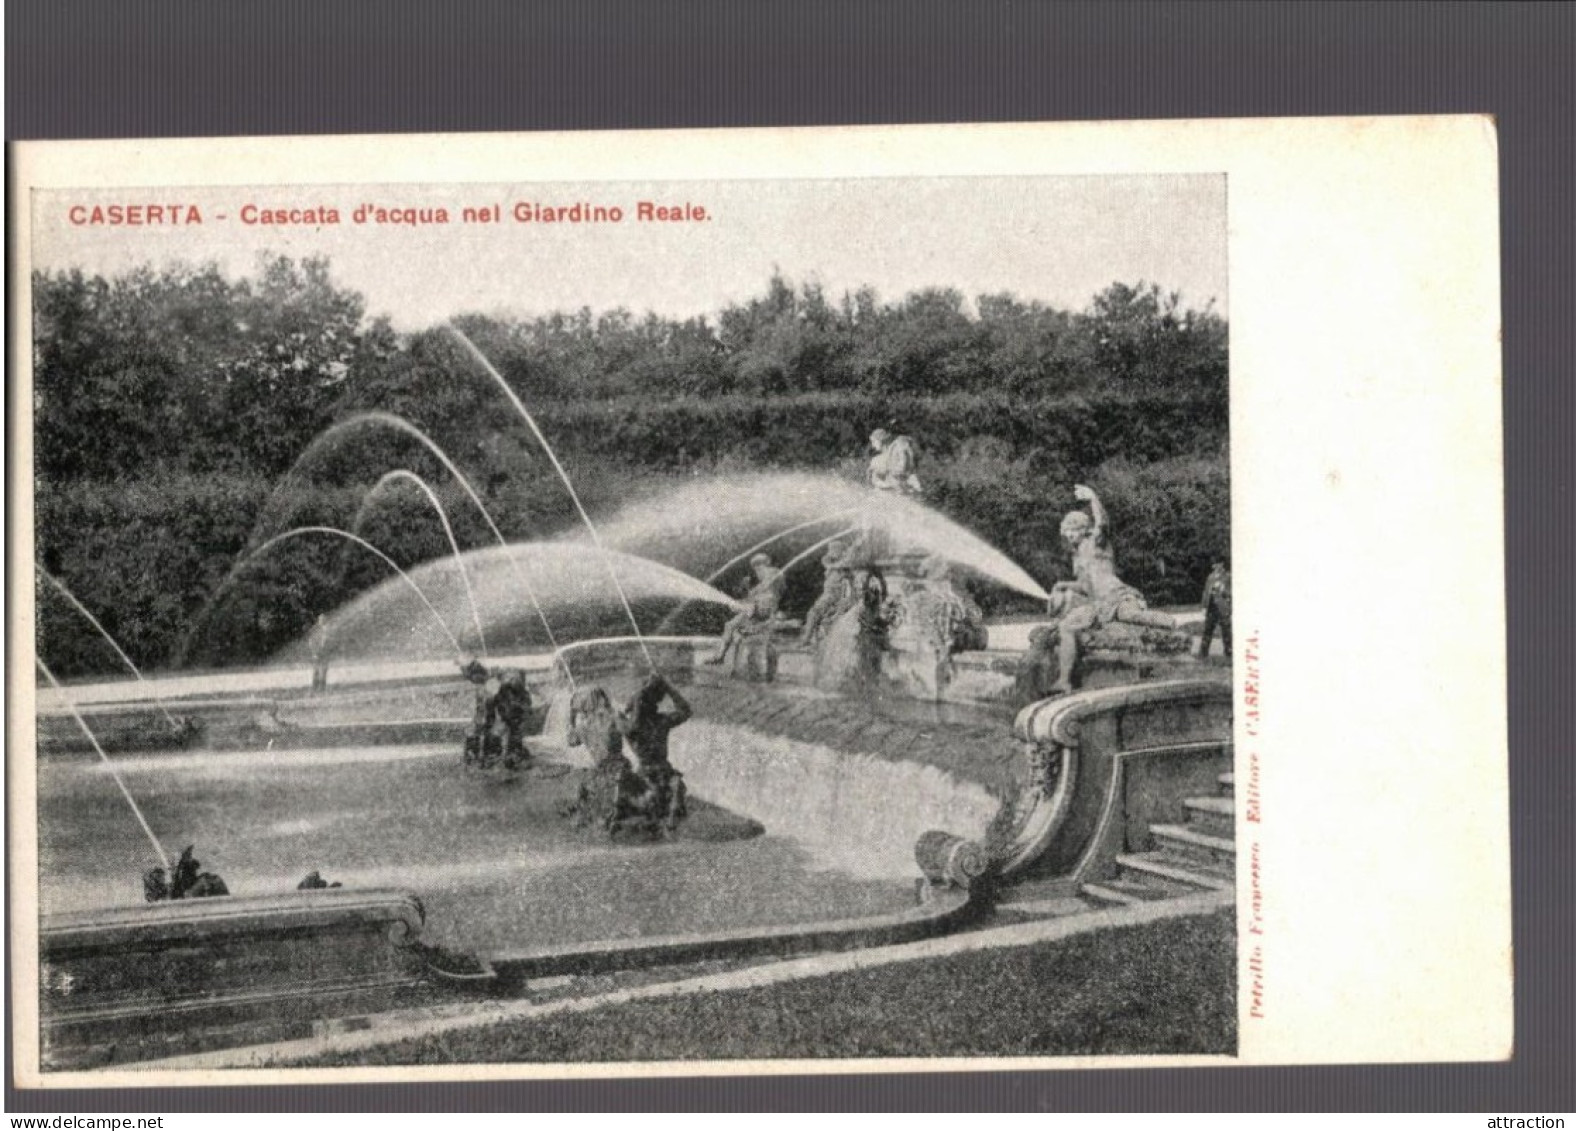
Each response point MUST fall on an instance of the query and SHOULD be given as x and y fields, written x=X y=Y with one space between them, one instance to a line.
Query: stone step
x=1131 y=887
x=1044 y=908
x=1150 y=865
x=1195 y=845
x=1228 y=782
x=1216 y=816
x=1111 y=896
x=1226 y=873
x=1148 y=887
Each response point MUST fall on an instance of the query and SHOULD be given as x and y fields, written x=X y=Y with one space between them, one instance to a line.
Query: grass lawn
x=1163 y=988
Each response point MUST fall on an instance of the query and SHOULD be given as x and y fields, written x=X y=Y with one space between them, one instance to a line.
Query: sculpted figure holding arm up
x=1096 y=594
x=646 y=728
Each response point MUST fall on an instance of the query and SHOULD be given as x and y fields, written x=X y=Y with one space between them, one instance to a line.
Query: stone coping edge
x=387 y=1029
x=946 y=908
x=228 y=915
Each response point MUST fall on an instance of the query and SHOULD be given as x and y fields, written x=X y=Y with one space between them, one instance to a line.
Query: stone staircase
x=1188 y=859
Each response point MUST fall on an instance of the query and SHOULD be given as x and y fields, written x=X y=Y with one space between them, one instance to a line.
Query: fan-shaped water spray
x=389 y=420
x=125 y=659
x=697 y=526
x=301 y=531
x=824 y=542
x=403 y=476
x=319 y=444
x=745 y=555
x=378 y=622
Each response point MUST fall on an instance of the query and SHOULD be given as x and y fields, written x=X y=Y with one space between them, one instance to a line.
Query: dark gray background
x=133 y=68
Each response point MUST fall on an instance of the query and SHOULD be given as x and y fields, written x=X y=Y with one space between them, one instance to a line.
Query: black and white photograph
x=685 y=621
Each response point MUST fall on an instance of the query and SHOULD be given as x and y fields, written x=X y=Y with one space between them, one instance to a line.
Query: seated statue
x=606 y=786
x=894 y=466
x=512 y=706
x=760 y=606
x=837 y=595
x=893 y=471
x=480 y=742
x=646 y=728
x=1096 y=597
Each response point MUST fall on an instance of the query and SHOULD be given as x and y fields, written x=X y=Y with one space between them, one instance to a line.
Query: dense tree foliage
x=184 y=369
x=171 y=404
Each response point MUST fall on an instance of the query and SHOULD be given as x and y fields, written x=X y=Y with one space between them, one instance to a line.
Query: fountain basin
x=844 y=789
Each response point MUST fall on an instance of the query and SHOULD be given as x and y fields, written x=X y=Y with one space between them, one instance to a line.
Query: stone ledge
x=177 y=921
x=123 y=984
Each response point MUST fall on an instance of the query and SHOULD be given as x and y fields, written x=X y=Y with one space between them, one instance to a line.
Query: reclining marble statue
x=1096 y=596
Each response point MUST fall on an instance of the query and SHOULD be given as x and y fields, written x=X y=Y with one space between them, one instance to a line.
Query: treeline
x=168 y=405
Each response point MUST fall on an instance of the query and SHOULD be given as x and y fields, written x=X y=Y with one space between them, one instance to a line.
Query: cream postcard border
x=1367 y=497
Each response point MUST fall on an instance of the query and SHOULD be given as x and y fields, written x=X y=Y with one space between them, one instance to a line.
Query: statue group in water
x=616 y=794
x=873 y=590
x=885 y=612
x=647 y=796
x=501 y=716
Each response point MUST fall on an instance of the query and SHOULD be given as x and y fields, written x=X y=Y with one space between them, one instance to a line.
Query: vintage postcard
x=845 y=600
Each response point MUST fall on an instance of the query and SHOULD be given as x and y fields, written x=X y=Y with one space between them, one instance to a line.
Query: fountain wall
x=859 y=813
